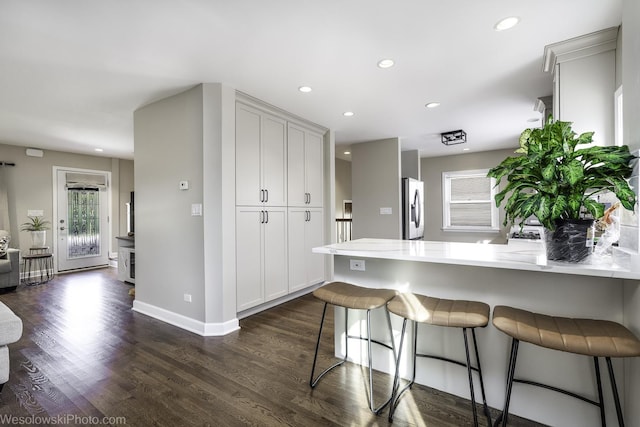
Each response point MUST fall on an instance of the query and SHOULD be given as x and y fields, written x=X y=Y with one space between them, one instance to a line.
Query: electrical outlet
x=187 y=297
x=357 y=264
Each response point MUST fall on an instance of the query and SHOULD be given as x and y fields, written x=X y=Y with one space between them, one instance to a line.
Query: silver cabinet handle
x=267 y=198
x=267 y=214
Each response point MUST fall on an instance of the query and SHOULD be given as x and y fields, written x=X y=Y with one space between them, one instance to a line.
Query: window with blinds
x=468 y=201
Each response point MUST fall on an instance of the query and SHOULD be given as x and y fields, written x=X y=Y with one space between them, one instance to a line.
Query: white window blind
x=468 y=201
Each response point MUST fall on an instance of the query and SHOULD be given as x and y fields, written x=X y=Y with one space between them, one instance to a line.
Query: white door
x=82 y=223
x=249 y=291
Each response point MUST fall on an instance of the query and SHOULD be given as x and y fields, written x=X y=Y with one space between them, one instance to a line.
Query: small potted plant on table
x=38 y=228
x=556 y=180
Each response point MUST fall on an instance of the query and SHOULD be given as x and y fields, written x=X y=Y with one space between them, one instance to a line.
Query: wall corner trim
x=186 y=323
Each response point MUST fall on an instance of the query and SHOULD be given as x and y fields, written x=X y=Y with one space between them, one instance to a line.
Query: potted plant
x=556 y=180
x=38 y=228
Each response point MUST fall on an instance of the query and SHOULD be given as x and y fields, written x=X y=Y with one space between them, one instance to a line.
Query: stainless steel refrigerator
x=412 y=209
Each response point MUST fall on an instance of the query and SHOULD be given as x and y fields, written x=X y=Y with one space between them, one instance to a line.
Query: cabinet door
x=314 y=168
x=297 y=249
x=296 y=166
x=274 y=160
x=275 y=253
x=248 y=178
x=249 y=291
x=305 y=233
x=314 y=237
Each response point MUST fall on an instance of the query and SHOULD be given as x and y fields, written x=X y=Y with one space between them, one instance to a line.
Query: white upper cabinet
x=305 y=167
x=261 y=158
x=584 y=73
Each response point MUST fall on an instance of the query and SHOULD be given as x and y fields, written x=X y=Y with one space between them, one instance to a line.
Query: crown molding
x=579 y=47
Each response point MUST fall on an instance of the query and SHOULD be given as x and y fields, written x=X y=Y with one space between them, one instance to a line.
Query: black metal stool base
x=504 y=416
x=313 y=381
x=396 y=395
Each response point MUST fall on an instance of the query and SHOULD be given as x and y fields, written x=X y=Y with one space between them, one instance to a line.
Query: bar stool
x=440 y=312
x=350 y=296
x=589 y=337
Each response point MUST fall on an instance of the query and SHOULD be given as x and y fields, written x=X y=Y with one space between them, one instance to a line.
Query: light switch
x=386 y=211
x=196 y=209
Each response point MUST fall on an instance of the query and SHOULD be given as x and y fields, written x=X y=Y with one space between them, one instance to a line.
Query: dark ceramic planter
x=568 y=242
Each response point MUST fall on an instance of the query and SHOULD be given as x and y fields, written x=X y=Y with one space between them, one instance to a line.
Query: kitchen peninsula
x=495 y=274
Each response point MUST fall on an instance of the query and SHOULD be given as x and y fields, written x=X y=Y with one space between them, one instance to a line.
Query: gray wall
x=30 y=186
x=169 y=241
x=432 y=168
x=186 y=137
x=375 y=181
x=343 y=184
x=631 y=87
x=411 y=164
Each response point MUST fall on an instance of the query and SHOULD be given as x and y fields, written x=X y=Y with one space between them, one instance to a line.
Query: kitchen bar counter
x=530 y=257
x=516 y=275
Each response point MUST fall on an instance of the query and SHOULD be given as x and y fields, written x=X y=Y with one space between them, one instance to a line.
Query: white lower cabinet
x=305 y=233
x=261 y=255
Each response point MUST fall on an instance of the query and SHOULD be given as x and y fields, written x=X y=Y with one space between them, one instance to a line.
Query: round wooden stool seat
x=351 y=296
x=440 y=312
x=598 y=338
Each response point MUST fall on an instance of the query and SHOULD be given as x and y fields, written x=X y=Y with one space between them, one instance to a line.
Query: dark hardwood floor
x=85 y=355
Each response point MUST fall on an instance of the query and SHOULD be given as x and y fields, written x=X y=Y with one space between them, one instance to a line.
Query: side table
x=37 y=267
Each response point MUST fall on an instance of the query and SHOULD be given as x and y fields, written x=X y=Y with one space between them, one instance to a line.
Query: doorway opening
x=82 y=218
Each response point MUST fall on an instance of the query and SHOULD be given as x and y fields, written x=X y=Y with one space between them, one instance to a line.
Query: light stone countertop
x=521 y=257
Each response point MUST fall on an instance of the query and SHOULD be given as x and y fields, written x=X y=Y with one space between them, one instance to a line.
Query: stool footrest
x=445 y=359
x=556 y=389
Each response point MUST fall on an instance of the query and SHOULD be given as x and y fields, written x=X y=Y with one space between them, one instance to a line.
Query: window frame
x=446 y=202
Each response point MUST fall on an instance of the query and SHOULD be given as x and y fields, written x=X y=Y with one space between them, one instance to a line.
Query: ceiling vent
x=454 y=137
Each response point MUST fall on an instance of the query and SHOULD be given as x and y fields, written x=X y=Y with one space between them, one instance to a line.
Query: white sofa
x=10 y=332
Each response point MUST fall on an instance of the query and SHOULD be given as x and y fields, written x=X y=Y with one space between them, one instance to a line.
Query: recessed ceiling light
x=305 y=89
x=432 y=105
x=348 y=113
x=386 y=63
x=465 y=149
x=506 y=23
x=347 y=152
x=99 y=150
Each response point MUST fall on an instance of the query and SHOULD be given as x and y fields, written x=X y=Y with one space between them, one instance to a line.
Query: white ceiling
x=72 y=72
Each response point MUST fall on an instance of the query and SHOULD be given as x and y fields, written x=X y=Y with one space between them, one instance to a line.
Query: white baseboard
x=257 y=309
x=186 y=323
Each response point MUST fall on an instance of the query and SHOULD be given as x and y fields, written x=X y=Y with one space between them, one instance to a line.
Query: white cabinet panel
x=261 y=255
x=275 y=253
x=305 y=233
x=248 y=180
x=261 y=158
x=305 y=167
x=248 y=257
x=314 y=166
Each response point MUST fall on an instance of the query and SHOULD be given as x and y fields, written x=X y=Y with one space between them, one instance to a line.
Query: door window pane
x=83 y=222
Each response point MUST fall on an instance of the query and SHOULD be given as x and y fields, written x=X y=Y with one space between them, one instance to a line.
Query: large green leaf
x=542 y=207
x=594 y=208
x=549 y=171
x=572 y=171
x=558 y=207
